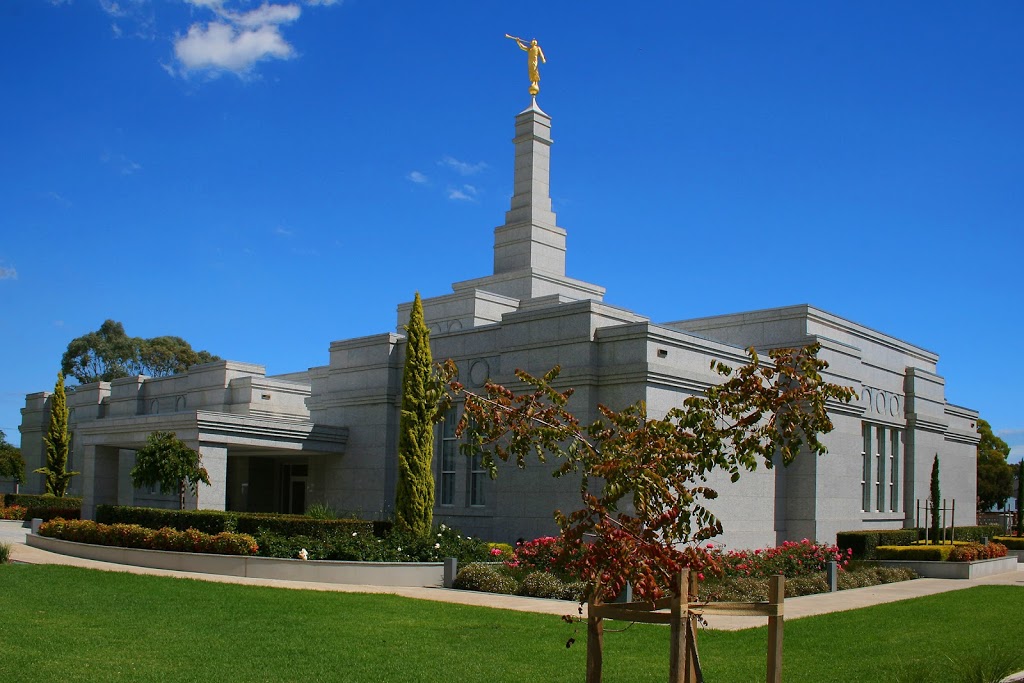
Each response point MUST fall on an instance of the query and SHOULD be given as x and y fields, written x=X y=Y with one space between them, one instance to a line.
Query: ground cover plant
x=126 y=627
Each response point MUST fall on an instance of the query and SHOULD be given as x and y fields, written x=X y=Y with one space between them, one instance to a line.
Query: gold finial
x=533 y=54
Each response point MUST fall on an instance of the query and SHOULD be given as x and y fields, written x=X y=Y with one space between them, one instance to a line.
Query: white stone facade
x=331 y=434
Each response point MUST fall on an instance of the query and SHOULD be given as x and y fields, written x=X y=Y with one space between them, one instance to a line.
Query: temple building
x=330 y=434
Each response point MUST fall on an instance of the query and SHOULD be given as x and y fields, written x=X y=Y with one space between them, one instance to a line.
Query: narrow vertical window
x=865 y=481
x=880 y=470
x=477 y=477
x=449 y=451
x=894 y=471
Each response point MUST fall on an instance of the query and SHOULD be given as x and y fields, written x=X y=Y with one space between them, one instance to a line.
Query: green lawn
x=68 y=624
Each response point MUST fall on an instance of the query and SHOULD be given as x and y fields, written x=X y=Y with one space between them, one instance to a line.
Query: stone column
x=125 y=487
x=99 y=479
x=215 y=460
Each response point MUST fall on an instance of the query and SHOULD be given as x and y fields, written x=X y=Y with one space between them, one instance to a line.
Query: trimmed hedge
x=958 y=551
x=45 y=507
x=972 y=533
x=216 y=521
x=916 y=553
x=1011 y=542
x=865 y=543
x=135 y=536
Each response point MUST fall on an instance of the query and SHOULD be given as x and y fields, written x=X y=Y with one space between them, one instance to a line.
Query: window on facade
x=449 y=452
x=477 y=478
x=881 y=457
x=894 y=470
x=880 y=470
x=865 y=481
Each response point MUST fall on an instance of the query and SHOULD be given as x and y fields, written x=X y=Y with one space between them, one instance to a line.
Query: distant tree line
x=109 y=353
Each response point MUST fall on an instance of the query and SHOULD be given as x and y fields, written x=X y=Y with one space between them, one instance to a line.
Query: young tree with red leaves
x=643 y=490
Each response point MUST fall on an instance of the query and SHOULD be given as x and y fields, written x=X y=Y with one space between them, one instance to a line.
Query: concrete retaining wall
x=356 y=573
x=957 y=570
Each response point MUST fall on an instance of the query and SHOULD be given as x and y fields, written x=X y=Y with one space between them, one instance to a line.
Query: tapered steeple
x=530 y=238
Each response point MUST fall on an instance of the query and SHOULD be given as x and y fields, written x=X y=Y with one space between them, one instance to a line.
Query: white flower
x=399 y=550
x=439 y=535
x=443 y=527
x=437 y=546
x=354 y=534
x=303 y=555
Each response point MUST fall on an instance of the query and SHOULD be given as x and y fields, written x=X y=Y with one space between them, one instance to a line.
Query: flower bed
x=135 y=536
x=535 y=569
x=13 y=512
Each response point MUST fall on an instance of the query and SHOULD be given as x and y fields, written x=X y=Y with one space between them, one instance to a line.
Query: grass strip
x=66 y=623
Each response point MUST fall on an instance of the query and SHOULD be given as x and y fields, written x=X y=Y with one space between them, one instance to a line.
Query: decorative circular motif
x=880 y=403
x=865 y=398
x=479 y=372
x=894 y=405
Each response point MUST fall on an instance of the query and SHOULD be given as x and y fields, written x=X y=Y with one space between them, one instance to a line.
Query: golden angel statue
x=534 y=55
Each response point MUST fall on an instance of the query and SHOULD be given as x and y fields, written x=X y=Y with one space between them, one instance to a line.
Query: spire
x=529 y=239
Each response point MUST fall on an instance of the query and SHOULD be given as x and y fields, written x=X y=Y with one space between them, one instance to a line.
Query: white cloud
x=122 y=163
x=466 y=193
x=462 y=167
x=211 y=4
x=57 y=198
x=417 y=177
x=112 y=8
x=264 y=15
x=8 y=273
x=222 y=46
x=283 y=232
x=323 y=3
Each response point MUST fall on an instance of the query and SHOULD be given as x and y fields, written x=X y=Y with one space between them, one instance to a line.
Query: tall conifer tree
x=414 y=497
x=935 y=493
x=58 y=443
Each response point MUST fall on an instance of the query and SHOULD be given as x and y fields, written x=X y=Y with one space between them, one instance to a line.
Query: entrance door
x=297 y=496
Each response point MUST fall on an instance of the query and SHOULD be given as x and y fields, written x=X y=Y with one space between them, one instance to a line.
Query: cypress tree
x=58 y=443
x=935 y=493
x=414 y=497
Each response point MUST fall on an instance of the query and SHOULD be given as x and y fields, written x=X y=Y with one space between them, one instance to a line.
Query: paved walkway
x=808 y=605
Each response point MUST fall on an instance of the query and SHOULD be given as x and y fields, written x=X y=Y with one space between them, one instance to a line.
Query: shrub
x=976 y=551
x=41 y=501
x=914 y=552
x=5 y=552
x=541 y=585
x=321 y=511
x=135 y=536
x=791 y=559
x=484 y=578
x=972 y=533
x=215 y=521
x=14 y=512
x=864 y=543
x=1011 y=542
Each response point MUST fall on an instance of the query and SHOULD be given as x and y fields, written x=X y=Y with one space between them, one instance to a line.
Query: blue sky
x=262 y=178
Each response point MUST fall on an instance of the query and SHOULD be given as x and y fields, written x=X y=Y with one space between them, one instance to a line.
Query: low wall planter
x=956 y=570
x=411 y=574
